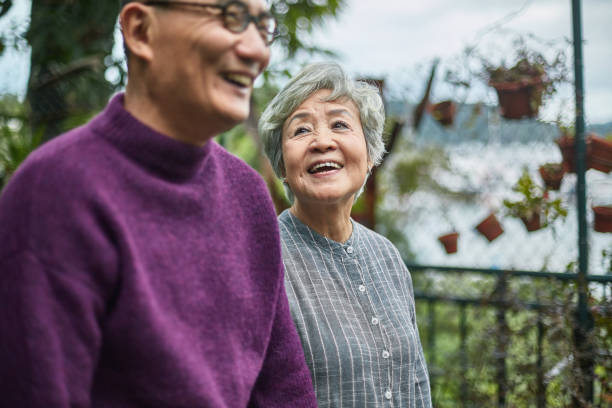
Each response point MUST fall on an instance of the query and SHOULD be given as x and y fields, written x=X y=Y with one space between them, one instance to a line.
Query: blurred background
x=480 y=195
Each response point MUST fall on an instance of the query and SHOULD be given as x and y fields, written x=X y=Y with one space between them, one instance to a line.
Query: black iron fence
x=518 y=344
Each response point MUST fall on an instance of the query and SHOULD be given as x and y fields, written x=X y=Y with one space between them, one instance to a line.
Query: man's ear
x=136 y=22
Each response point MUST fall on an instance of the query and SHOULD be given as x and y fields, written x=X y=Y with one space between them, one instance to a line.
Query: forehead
x=255 y=6
x=319 y=100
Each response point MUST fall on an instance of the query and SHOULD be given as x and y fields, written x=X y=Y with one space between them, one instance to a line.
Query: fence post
x=541 y=387
x=584 y=320
x=502 y=330
x=463 y=353
x=431 y=343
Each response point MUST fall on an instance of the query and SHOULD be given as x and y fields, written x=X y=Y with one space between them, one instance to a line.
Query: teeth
x=243 y=80
x=326 y=164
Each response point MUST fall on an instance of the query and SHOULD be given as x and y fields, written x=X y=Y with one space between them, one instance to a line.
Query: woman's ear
x=136 y=22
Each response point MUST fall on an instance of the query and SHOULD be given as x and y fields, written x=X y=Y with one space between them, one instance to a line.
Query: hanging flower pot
x=490 y=227
x=532 y=223
x=519 y=99
x=567 y=145
x=601 y=153
x=450 y=242
x=534 y=207
x=603 y=218
x=443 y=112
x=552 y=175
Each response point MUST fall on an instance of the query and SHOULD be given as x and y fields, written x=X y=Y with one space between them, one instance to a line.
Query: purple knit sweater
x=138 y=271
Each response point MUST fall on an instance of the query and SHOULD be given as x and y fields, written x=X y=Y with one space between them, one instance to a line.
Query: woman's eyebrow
x=297 y=116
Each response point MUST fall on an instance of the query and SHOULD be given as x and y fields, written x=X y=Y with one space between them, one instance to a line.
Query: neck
x=330 y=220
x=140 y=104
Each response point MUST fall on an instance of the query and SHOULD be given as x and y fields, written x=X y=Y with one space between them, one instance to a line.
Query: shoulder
x=53 y=181
x=243 y=187
x=239 y=173
x=374 y=238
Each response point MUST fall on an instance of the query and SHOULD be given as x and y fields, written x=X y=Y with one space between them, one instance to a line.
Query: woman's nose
x=323 y=141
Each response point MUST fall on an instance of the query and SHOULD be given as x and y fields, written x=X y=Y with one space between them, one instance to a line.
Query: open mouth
x=324 y=167
x=243 y=81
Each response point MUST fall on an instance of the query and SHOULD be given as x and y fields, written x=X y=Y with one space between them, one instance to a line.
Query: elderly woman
x=350 y=294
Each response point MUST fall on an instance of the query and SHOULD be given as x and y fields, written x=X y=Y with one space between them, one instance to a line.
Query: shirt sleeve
x=284 y=380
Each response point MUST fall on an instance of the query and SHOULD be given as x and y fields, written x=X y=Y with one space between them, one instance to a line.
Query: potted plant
x=598 y=151
x=601 y=204
x=552 y=175
x=449 y=241
x=522 y=86
x=534 y=208
x=490 y=227
x=602 y=218
x=443 y=112
x=567 y=146
x=601 y=153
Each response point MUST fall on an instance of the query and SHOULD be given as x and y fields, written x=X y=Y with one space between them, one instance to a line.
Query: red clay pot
x=567 y=146
x=552 y=177
x=603 y=218
x=532 y=223
x=443 y=112
x=515 y=98
x=450 y=242
x=490 y=227
x=601 y=154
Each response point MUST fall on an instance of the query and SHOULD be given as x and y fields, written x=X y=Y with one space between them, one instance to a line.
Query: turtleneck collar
x=155 y=151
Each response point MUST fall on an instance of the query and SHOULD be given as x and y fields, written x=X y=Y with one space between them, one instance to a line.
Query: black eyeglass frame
x=269 y=35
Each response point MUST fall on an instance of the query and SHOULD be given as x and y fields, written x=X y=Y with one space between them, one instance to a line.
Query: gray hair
x=315 y=77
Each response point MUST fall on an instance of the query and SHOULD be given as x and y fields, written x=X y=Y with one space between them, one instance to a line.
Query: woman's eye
x=299 y=131
x=340 y=125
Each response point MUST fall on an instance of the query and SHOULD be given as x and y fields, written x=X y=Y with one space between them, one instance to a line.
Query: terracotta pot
x=532 y=223
x=603 y=218
x=552 y=177
x=601 y=154
x=443 y=112
x=519 y=99
x=490 y=227
x=567 y=146
x=450 y=242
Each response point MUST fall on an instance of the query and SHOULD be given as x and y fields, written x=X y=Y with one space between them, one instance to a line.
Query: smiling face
x=324 y=151
x=201 y=74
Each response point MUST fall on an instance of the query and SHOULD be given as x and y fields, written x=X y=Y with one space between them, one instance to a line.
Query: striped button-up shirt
x=353 y=305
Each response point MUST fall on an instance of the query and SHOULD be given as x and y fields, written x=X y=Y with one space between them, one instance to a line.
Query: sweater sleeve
x=50 y=302
x=284 y=380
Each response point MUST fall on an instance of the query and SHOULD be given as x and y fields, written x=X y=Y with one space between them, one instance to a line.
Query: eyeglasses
x=235 y=14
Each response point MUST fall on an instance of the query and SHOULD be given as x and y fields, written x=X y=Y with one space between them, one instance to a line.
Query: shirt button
x=361 y=288
x=374 y=321
x=388 y=394
x=385 y=354
x=349 y=250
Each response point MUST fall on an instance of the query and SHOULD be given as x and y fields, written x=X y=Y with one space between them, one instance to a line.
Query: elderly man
x=139 y=261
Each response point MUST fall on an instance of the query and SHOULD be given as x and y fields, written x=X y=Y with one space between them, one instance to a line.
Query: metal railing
x=502 y=301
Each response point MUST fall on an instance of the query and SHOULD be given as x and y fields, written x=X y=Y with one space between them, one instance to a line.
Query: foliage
x=471 y=365
x=542 y=64
x=16 y=141
x=534 y=200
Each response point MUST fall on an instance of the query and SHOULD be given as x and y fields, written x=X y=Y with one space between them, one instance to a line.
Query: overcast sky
x=398 y=40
